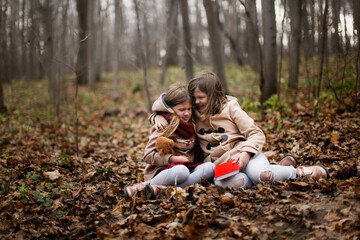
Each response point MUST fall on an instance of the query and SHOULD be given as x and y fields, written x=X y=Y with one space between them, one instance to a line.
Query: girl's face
x=183 y=110
x=201 y=100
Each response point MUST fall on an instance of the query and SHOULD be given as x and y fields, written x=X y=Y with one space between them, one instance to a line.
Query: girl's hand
x=243 y=159
x=160 y=123
x=181 y=158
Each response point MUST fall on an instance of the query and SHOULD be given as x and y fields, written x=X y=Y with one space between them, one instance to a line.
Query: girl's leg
x=259 y=170
x=177 y=174
x=239 y=181
x=205 y=170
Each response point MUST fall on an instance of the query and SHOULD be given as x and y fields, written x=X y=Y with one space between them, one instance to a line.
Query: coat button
x=257 y=146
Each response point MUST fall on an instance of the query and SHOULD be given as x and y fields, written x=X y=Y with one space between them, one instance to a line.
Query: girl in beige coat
x=227 y=133
x=183 y=166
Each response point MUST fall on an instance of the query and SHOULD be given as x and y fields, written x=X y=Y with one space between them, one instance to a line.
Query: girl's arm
x=255 y=138
x=159 y=122
x=152 y=157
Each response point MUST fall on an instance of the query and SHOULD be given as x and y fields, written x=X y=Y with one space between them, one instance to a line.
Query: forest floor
x=49 y=190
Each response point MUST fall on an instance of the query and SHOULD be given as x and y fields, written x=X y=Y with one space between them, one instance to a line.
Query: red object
x=226 y=170
x=189 y=165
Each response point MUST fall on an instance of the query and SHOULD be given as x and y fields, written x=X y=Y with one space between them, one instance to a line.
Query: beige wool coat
x=154 y=162
x=240 y=130
x=242 y=133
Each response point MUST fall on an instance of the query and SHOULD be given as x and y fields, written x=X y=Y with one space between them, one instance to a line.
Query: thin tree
x=356 y=16
x=117 y=25
x=14 y=43
x=281 y=54
x=61 y=78
x=215 y=42
x=252 y=44
x=295 y=40
x=335 y=37
x=81 y=64
x=23 y=44
x=197 y=32
x=2 y=60
x=142 y=54
x=323 y=47
x=91 y=44
x=187 y=39
x=269 y=85
x=49 y=40
x=172 y=16
x=233 y=42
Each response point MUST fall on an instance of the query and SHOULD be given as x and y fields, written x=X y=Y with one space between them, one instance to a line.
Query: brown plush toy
x=166 y=145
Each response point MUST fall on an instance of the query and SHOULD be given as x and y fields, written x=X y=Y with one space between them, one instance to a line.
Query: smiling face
x=183 y=110
x=201 y=100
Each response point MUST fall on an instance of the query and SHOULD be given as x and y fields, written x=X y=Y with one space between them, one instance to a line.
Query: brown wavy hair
x=210 y=84
x=176 y=94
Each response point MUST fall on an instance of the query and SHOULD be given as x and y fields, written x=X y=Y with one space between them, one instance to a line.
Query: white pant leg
x=260 y=163
x=255 y=167
x=205 y=170
x=281 y=173
x=177 y=174
x=239 y=181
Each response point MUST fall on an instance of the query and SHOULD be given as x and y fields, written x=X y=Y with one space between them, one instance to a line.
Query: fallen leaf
x=53 y=175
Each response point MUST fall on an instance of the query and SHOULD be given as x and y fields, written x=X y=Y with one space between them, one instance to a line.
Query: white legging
x=181 y=176
x=251 y=174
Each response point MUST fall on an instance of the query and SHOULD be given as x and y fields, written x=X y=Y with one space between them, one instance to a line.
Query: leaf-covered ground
x=48 y=190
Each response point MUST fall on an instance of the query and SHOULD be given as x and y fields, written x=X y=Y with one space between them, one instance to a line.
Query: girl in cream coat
x=227 y=133
x=182 y=167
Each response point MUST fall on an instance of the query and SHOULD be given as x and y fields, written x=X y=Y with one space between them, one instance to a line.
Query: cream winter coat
x=238 y=133
x=154 y=162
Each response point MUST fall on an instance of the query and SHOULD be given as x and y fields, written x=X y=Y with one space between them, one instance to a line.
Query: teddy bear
x=166 y=145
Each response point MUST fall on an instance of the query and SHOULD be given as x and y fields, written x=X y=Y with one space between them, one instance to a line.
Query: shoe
x=315 y=172
x=129 y=191
x=288 y=160
x=151 y=191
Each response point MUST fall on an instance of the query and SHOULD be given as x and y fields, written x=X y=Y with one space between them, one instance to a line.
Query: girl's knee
x=267 y=176
x=237 y=182
x=181 y=173
x=208 y=169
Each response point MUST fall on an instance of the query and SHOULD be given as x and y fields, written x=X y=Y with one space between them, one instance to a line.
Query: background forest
x=77 y=81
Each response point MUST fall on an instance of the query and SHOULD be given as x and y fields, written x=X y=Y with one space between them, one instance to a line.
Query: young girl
x=227 y=133
x=181 y=168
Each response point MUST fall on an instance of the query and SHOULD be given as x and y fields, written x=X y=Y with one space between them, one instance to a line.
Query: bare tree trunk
x=23 y=44
x=2 y=59
x=335 y=38
x=172 y=16
x=281 y=54
x=116 y=48
x=62 y=71
x=233 y=42
x=295 y=39
x=323 y=49
x=142 y=54
x=187 y=39
x=251 y=36
x=91 y=50
x=81 y=64
x=146 y=37
x=197 y=37
x=356 y=16
x=269 y=87
x=99 y=40
x=215 y=42
x=48 y=59
x=172 y=52
x=14 y=43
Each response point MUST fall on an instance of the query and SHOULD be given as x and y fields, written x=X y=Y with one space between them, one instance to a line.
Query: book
x=226 y=170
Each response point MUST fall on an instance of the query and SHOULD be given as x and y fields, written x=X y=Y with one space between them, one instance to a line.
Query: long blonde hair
x=176 y=94
x=210 y=84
